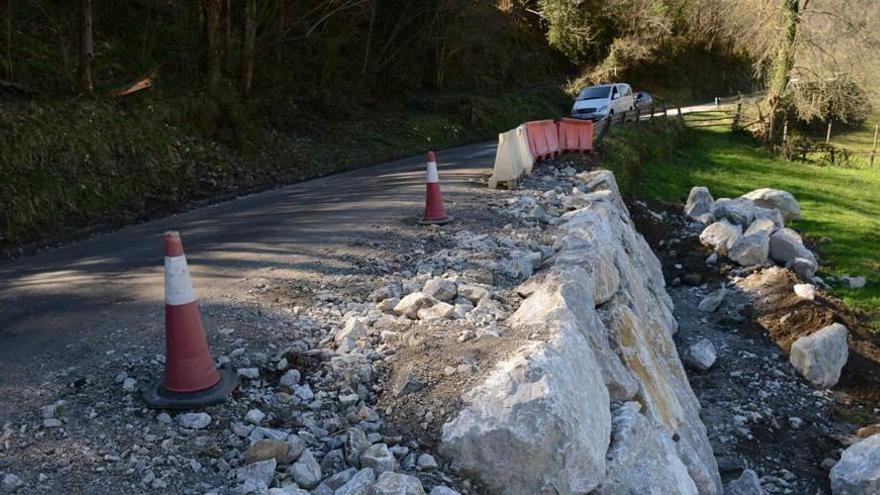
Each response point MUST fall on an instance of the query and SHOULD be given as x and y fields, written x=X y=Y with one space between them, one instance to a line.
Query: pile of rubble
x=750 y=230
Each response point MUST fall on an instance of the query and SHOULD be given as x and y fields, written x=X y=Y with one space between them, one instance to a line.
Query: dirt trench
x=759 y=412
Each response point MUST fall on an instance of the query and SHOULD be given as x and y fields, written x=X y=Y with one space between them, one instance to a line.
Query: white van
x=598 y=102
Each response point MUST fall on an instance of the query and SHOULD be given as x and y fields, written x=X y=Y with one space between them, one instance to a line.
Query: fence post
x=828 y=134
x=652 y=110
x=664 y=110
x=785 y=132
x=735 y=124
x=678 y=109
x=874 y=149
x=638 y=116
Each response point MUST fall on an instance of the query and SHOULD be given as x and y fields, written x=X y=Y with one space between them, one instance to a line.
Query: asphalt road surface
x=75 y=305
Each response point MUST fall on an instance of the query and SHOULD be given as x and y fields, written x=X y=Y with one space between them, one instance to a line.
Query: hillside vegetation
x=117 y=110
x=246 y=94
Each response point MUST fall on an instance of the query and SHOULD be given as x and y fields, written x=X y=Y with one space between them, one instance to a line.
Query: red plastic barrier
x=575 y=135
x=543 y=139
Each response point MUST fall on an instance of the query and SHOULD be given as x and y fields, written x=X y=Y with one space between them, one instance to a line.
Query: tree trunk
x=784 y=62
x=226 y=26
x=211 y=10
x=282 y=30
x=366 y=62
x=86 y=50
x=247 y=46
x=7 y=15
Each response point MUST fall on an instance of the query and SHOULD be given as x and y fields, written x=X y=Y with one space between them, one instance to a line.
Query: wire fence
x=731 y=114
x=634 y=116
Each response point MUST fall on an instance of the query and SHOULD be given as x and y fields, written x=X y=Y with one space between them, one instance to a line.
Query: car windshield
x=594 y=92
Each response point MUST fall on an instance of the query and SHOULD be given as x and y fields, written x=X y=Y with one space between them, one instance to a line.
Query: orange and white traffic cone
x=434 y=211
x=191 y=379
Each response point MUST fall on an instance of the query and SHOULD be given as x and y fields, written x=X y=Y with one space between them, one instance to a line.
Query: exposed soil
x=759 y=412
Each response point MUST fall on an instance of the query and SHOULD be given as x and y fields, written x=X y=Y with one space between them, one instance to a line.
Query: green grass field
x=840 y=203
x=859 y=141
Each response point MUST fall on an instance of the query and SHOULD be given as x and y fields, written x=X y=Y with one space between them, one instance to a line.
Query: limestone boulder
x=540 y=421
x=786 y=245
x=742 y=211
x=352 y=330
x=590 y=244
x=378 y=458
x=748 y=483
x=858 y=471
x=442 y=289
x=604 y=180
x=397 y=484
x=804 y=267
x=721 y=236
x=358 y=484
x=473 y=293
x=774 y=216
x=738 y=211
x=700 y=205
x=563 y=297
x=853 y=282
x=820 y=356
x=754 y=245
x=642 y=458
x=306 y=471
x=805 y=291
x=257 y=476
x=439 y=311
x=701 y=355
x=410 y=305
x=776 y=199
x=712 y=301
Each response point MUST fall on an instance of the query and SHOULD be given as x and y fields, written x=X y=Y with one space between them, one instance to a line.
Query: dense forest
x=115 y=110
x=332 y=54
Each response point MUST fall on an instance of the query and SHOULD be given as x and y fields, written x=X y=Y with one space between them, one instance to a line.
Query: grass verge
x=839 y=203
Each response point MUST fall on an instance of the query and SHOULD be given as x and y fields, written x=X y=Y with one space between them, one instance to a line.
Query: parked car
x=643 y=100
x=599 y=102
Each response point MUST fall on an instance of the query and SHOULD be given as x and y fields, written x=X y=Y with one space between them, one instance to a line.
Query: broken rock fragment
x=776 y=199
x=721 y=236
x=820 y=356
x=701 y=356
x=410 y=305
x=700 y=205
x=713 y=301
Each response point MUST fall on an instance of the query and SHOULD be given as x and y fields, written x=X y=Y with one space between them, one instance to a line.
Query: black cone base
x=157 y=397
x=439 y=221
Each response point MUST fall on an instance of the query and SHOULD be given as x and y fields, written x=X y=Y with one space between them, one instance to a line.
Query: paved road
x=73 y=305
